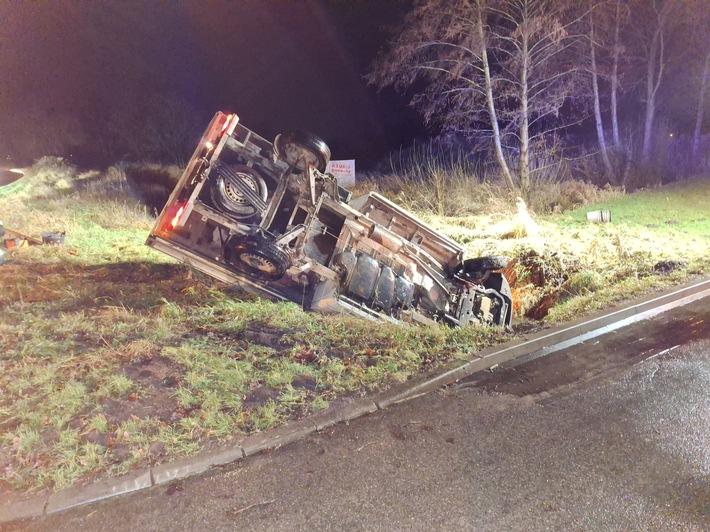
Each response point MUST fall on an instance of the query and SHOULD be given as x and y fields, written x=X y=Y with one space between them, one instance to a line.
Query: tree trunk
x=648 y=126
x=524 y=117
x=653 y=81
x=615 y=78
x=701 y=109
x=500 y=156
x=597 y=105
x=650 y=102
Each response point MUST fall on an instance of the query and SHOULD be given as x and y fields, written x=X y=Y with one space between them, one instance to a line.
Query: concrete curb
x=538 y=344
x=355 y=409
x=99 y=490
x=24 y=509
x=548 y=341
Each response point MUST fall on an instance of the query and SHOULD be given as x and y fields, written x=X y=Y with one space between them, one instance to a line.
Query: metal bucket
x=49 y=237
x=599 y=216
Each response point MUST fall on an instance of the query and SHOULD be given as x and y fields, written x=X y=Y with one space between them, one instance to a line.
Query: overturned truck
x=266 y=216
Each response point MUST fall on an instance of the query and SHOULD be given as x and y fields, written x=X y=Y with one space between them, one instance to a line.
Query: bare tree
x=701 y=56
x=490 y=99
x=654 y=23
x=501 y=69
x=701 y=105
x=620 y=15
x=594 y=69
x=606 y=57
x=446 y=47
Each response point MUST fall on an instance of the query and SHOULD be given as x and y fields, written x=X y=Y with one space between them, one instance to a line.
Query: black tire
x=257 y=256
x=227 y=197
x=477 y=269
x=485 y=264
x=302 y=149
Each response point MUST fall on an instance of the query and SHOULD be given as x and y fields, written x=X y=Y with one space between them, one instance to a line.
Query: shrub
x=49 y=177
x=152 y=182
x=584 y=282
x=459 y=194
x=54 y=172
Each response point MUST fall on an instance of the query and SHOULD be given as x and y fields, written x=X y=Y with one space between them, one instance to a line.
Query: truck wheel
x=228 y=197
x=478 y=267
x=302 y=149
x=257 y=256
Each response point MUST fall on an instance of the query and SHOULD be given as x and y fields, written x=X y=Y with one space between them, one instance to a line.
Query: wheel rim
x=258 y=262
x=232 y=194
x=227 y=193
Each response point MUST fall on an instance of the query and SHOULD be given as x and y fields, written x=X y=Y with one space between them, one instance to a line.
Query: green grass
x=113 y=356
x=79 y=368
x=682 y=207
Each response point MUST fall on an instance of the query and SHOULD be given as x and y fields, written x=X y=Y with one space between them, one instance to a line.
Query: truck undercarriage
x=267 y=217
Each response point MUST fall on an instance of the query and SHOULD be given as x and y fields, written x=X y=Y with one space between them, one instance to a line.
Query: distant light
x=671 y=135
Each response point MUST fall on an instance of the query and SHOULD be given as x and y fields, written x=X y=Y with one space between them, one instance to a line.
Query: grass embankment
x=563 y=266
x=112 y=356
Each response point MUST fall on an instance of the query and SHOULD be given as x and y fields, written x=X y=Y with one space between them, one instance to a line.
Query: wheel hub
x=234 y=195
x=258 y=262
x=293 y=153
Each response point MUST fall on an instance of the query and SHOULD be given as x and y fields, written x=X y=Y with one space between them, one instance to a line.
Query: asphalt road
x=609 y=435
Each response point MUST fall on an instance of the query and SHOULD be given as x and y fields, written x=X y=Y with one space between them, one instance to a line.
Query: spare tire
x=227 y=196
x=302 y=149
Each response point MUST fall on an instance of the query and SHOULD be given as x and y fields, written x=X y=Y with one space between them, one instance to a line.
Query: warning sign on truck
x=344 y=172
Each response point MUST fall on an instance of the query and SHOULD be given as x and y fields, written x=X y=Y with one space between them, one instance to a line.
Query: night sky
x=280 y=65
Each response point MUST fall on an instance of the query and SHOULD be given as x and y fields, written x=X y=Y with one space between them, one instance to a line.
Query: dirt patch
x=259 y=397
x=542 y=308
x=258 y=333
x=156 y=379
x=137 y=285
x=537 y=280
x=667 y=266
x=305 y=381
